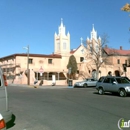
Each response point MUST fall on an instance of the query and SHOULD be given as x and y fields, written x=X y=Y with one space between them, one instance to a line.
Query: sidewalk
x=43 y=86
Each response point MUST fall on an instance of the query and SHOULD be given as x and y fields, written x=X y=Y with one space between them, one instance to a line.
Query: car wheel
x=85 y=85
x=122 y=93
x=101 y=91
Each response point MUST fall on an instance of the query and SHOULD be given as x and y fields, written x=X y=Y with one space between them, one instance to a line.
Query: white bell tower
x=94 y=41
x=93 y=33
x=61 y=40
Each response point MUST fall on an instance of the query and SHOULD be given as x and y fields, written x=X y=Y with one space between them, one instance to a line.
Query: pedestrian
x=109 y=73
x=41 y=82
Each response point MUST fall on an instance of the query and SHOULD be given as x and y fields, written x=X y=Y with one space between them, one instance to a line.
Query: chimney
x=120 y=47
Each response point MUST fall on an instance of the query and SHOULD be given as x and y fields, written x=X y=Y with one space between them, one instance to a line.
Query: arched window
x=97 y=48
x=64 y=46
x=58 y=46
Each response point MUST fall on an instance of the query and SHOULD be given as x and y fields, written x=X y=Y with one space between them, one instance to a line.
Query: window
x=107 y=80
x=58 y=46
x=77 y=71
x=97 y=49
x=101 y=79
x=49 y=61
x=122 y=80
x=64 y=46
x=118 y=61
x=30 y=61
x=81 y=59
x=113 y=80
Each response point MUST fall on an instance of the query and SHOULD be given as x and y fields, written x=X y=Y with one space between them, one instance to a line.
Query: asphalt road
x=66 y=109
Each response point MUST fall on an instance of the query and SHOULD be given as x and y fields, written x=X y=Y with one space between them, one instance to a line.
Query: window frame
x=30 y=61
x=50 y=61
x=81 y=59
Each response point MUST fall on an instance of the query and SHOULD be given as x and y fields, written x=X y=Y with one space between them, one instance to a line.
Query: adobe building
x=44 y=67
x=41 y=66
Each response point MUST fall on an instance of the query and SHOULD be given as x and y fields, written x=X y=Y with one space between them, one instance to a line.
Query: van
x=4 y=108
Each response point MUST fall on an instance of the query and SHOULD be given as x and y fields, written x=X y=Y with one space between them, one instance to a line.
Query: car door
x=92 y=82
x=114 y=86
x=4 y=108
x=89 y=82
x=3 y=96
x=107 y=84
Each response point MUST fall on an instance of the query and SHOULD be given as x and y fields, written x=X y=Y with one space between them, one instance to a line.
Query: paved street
x=66 y=109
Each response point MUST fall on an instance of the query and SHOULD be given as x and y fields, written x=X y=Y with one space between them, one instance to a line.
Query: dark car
x=113 y=84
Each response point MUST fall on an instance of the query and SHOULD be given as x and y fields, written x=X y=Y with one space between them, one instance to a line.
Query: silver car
x=113 y=84
x=86 y=83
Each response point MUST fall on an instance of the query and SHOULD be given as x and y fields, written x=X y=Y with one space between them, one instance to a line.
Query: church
x=54 y=66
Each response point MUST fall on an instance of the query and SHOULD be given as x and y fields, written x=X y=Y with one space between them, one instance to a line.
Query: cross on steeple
x=81 y=40
x=61 y=21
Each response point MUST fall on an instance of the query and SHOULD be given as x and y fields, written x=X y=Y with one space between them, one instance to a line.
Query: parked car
x=127 y=78
x=4 y=108
x=86 y=83
x=2 y=123
x=113 y=84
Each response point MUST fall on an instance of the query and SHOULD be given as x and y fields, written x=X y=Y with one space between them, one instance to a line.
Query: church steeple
x=94 y=41
x=62 y=28
x=61 y=40
x=93 y=33
x=93 y=30
x=61 y=22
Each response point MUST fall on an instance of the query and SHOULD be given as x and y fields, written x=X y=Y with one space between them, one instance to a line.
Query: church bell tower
x=94 y=41
x=61 y=40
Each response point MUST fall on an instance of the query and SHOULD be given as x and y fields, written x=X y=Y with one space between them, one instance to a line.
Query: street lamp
x=27 y=48
x=69 y=81
x=69 y=71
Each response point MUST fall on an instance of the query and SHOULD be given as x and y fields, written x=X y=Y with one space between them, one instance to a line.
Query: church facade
x=45 y=67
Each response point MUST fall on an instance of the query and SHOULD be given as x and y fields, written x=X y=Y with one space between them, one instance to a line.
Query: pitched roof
x=74 y=50
x=110 y=51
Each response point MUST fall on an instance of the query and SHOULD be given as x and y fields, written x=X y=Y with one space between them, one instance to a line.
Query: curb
x=42 y=87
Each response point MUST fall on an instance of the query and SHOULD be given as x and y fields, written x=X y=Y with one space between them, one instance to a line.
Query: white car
x=2 y=123
x=4 y=108
x=86 y=83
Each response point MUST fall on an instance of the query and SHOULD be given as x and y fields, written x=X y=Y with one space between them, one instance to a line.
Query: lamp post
x=69 y=71
x=27 y=48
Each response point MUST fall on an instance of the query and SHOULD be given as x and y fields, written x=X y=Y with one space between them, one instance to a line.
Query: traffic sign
x=41 y=70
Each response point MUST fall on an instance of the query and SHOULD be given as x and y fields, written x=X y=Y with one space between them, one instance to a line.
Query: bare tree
x=94 y=51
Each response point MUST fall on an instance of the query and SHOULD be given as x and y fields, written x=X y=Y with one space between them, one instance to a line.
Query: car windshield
x=101 y=79
x=90 y=80
x=122 y=80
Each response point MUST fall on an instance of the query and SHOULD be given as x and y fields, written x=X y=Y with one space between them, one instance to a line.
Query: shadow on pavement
x=111 y=94
x=11 y=122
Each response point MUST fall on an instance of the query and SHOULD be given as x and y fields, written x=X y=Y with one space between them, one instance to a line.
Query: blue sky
x=34 y=22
